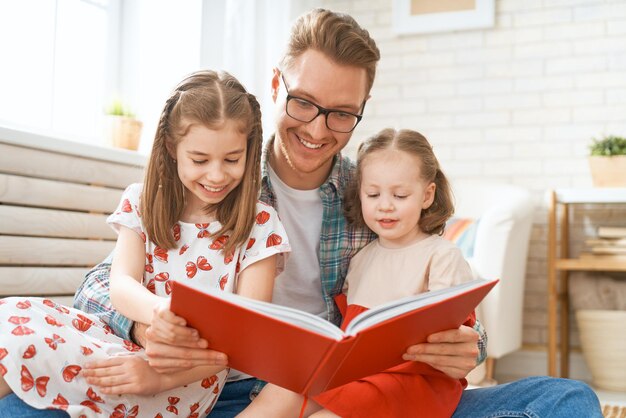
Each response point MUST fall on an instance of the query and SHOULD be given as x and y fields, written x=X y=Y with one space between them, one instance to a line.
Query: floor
x=611 y=398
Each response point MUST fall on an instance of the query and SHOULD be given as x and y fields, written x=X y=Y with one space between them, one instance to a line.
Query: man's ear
x=429 y=195
x=275 y=83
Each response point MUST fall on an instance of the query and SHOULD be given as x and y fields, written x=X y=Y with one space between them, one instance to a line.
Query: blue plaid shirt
x=339 y=242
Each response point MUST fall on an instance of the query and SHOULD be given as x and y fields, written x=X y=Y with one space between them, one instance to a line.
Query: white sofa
x=504 y=214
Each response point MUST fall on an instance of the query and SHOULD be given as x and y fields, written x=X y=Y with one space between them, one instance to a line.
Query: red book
x=307 y=354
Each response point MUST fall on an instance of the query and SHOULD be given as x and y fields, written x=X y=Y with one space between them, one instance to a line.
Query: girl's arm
x=128 y=295
x=131 y=374
x=257 y=280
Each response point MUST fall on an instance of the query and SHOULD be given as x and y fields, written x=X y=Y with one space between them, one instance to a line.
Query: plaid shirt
x=339 y=242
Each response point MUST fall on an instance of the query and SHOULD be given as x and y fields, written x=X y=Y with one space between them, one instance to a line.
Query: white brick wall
x=518 y=102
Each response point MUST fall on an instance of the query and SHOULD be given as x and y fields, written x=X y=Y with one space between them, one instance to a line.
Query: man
x=320 y=91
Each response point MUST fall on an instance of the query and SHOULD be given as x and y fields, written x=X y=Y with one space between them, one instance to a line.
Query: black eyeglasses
x=305 y=111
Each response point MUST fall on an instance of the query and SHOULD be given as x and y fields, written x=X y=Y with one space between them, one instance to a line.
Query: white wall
x=518 y=103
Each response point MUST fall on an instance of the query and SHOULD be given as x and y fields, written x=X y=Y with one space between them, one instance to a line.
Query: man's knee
x=568 y=394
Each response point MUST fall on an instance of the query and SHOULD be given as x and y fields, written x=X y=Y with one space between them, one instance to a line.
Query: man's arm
x=482 y=342
x=93 y=297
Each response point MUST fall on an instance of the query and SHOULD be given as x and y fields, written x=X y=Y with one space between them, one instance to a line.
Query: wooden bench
x=55 y=196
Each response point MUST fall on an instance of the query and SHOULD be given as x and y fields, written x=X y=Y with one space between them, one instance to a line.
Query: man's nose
x=317 y=127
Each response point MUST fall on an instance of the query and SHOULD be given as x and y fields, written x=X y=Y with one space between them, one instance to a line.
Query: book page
x=394 y=308
x=286 y=314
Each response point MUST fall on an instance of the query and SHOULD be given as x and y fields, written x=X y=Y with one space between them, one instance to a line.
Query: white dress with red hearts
x=43 y=345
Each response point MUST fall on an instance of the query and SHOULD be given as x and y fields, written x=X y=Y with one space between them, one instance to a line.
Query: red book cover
x=305 y=353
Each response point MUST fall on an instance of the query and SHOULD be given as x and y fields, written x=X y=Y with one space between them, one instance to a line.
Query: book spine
x=328 y=366
x=340 y=362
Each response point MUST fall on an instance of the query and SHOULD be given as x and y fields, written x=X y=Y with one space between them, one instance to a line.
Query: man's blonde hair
x=338 y=36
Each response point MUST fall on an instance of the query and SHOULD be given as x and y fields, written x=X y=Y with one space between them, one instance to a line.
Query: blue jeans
x=533 y=397
x=13 y=407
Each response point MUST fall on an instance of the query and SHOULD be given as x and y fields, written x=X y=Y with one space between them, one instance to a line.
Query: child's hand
x=170 y=328
x=129 y=374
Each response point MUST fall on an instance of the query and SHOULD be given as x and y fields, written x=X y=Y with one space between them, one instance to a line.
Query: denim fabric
x=13 y=407
x=533 y=397
x=234 y=398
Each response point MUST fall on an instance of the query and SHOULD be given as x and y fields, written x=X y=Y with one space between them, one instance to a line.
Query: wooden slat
x=48 y=193
x=41 y=280
x=599 y=263
x=57 y=166
x=18 y=220
x=52 y=251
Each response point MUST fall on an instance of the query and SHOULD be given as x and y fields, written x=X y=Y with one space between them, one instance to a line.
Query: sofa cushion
x=462 y=232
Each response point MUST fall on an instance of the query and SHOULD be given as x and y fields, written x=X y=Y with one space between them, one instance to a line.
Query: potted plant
x=122 y=128
x=608 y=161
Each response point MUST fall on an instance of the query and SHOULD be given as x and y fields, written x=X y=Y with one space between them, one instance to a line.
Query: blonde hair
x=338 y=36
x=209 y=98
x=433 y=219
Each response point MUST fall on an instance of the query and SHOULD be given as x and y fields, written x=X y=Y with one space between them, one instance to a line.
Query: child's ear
x=429 y=195
x=275 y=83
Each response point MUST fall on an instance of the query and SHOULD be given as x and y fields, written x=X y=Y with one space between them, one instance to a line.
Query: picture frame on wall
x=427 y=16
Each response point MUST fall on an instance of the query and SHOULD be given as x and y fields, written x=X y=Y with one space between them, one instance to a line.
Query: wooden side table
x=560 y=265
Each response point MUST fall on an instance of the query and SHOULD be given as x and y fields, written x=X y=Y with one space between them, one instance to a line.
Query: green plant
x=117 y=108
x=608 y=146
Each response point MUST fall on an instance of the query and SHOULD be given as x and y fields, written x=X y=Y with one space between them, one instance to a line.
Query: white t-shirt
x=299 y=285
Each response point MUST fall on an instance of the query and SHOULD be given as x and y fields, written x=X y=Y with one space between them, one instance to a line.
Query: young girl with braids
x=402 y=195
x=195 y=219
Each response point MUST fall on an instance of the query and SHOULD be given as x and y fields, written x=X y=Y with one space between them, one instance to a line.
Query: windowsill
x=67 y=146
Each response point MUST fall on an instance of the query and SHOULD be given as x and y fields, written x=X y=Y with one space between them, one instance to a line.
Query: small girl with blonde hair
x=195 y=219
x=402 y=195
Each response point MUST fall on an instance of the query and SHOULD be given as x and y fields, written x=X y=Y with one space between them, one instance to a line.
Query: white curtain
x=247 y=38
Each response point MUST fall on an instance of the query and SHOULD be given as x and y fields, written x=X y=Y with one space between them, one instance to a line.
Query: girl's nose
x=385 y=205
x=215 y=173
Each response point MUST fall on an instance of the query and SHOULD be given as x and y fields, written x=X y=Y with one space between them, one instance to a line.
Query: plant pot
x=608 y=171
x=603 y=339
x=123 y=132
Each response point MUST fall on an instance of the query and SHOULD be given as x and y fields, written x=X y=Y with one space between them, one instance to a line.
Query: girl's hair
x=338 y=36
x=433 y=219
x=211 y=99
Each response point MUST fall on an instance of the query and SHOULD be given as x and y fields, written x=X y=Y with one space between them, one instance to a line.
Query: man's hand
x=454 y=351
x=138 y=334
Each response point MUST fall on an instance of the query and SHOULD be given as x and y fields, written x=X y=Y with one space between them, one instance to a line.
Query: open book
x=307 y=354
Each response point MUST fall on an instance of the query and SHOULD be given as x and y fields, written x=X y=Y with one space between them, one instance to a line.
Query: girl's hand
x=172 y=346
x=129 y=374
x=166 y=327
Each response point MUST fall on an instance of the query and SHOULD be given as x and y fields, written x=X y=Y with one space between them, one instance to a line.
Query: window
x=59 y=63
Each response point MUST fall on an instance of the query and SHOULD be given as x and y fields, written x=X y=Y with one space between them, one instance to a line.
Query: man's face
x=303 y=151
